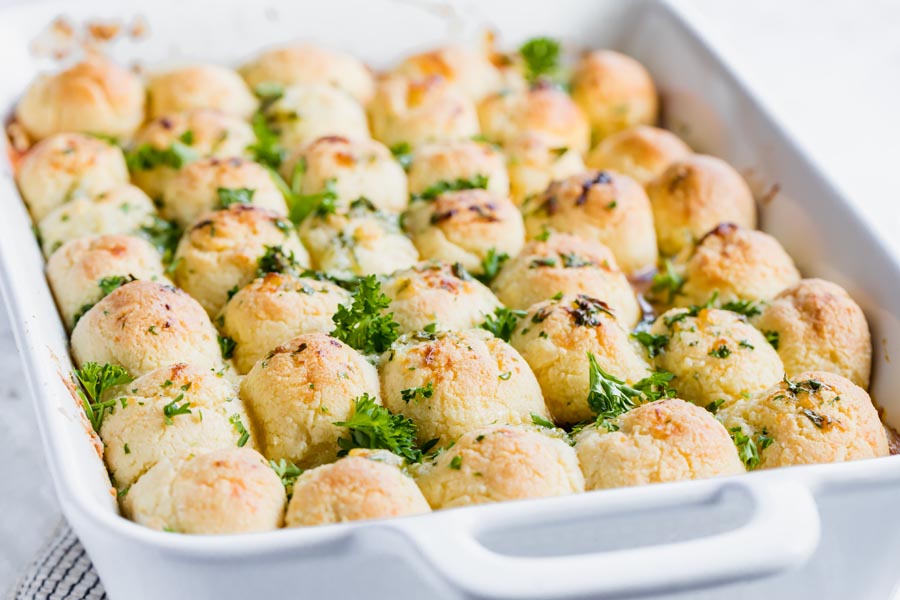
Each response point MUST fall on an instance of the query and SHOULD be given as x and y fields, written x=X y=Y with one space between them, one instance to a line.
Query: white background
x=830 y=69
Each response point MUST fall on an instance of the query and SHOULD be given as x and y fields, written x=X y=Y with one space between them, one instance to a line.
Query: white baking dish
x=821 y=531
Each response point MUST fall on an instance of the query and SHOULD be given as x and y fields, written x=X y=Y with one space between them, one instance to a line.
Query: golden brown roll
x=93 y=96
x=816 y=326
x=642 y=152
x=816 y=417
x=566 y=264
x=458 y=159
x=470 y=70
x=666 y=440
x=715 y=355
x=474 y=380
x=615 y=91
x=199 y=86
x=307 y=111
x=600 y=205
x=554 y=338
x=695 y=194
x=499 y=463
x=534 y=162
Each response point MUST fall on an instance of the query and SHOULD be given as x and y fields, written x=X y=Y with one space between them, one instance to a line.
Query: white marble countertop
x=830 y=69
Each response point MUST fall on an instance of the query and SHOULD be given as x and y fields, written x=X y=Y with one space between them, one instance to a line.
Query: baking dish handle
x=782 y=532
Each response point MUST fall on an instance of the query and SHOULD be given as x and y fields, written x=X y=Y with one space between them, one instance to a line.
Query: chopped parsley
x=164 y=235
x=107 y=286
x=546 y=261
x=503 y=322
x=288 y=472
x=146 y=157
x=93 y=380
x=363 y=325
x=772 y=337
x=609 y=396
x=267 y=150
x=655 y=344
x=321 y=203
x=573 y=261
x=277 y=260
x=748 y=308
x=173 y=409
x=375 y=427
x=479 y=182
x=229 y=196
x=818 y=420
x=403 y=152
x=656 y=386
x=541 y=56
x=456 y=462
x=235 y=420
x=491 y=264
x=720 y=351
x=542 y=422
x=715 y=405
x=424 y=392
x=226 y=346
x=748 y=450
x=669 y=281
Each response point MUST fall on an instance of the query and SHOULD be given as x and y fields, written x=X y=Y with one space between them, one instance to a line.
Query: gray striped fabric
x=61 y=571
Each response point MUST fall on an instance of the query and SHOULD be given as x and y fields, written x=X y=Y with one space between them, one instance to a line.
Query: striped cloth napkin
x=61 y=571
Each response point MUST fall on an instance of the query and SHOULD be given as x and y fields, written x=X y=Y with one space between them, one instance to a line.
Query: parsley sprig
x=491 y=264
x=146 y=157
x=610 y=396
x=503 y=322
x=107 y=286
x=655 y=344
x=173 y=409
x=93 y=380
x=375 y=427
x=541 y=56
x=229 y=196
x=288 y=472
x=164 y=235
x=479 y=182
x=668 y=280
x=277 y=260
x=748 y=448
x=235 y=420
x=363 y=324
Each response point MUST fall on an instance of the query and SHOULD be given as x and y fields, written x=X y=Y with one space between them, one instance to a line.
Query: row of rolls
x=575 y=187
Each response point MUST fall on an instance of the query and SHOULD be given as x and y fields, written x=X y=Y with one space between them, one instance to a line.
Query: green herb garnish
x=229 y=196
x=424 y=392
x=491 y=264
x=173 y=409
x=541 y=56
x=93 y=380
x=503 y=322
x=375 y=427
x=288 y=472
x=363 y=325
x=226 y=346
x=655 y=344
x=479 y=182
x=277 y=260
x=235 y=420
x=669 y=281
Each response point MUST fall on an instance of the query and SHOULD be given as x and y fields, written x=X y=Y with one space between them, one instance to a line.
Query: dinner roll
x=310 y=64
x=438 y=293
x=468 y=69
x=350 y=169
x=738 y=264
x=199 y=86
x=308 y=111
x=693 y=195
x=354 y=488
x=601 y=205
x=211 y=183
x=171 y=411
x=416 y=112
x=224 y=491
x=566 y=264
x=458 y=160
x=816 y=326
x=275 y=308
x=93 y=96
x=499 y=463
x=359 y=241
x=715 y=355
x=85 y=269
x=641 y=152
x=816 y=417
x=464 y=227
x=222 y=251
x=544 y=110
x=123 y=209
x=474 y=378
x=615 y=91
x=144 y=325
x=534 y=162
x=67 y=166
x=298 y=391
x=667 y=440
x=186 y=136
x=555 y=337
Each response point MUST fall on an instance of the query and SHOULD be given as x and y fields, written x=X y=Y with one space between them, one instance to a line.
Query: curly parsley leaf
x=655 y=344
x=229 y=196
x=656 y=386
x=277 y=260
x=491 y=264
x=288 y=472
x=609 y=396
x=669 y=281
x=503 y=322
x=479 y=182
x=542 y=57
x=375 y=427
x=363 y=325
x=93 y=380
